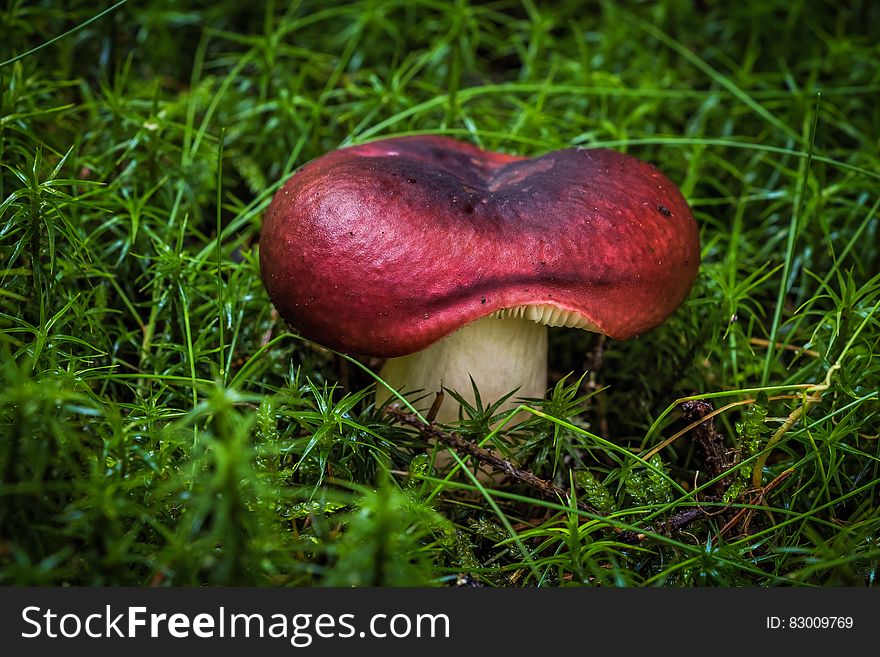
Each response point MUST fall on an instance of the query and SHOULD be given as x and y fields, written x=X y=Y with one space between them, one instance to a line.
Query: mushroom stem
x=500 y=354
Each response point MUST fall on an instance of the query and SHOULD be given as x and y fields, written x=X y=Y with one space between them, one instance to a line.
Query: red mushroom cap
x=384 y=248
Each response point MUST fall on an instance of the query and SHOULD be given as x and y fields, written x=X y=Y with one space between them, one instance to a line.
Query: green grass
x=160 y=426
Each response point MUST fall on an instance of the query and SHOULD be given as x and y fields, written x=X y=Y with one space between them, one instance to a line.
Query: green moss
x=159 y=425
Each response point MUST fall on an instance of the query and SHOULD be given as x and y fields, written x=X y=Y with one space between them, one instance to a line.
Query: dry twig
x=485 y=456
x=718 y=460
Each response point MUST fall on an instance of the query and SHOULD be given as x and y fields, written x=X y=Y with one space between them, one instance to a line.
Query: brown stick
x=675 y=522
x=486 y=457
x=549 y=490
x=717 y=457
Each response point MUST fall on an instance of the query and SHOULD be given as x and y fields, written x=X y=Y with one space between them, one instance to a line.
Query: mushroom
x=451 y=261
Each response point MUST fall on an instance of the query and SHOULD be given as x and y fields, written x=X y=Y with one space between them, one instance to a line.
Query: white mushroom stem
x=500 y=354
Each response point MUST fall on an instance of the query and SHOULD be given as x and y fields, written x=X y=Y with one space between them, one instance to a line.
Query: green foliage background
x=159 y=426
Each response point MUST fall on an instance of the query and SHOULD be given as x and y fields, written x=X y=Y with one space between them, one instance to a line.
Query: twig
x=486 y=457
x=743 y=402
x=717 y=457
x=745 y=515
x=675 y=522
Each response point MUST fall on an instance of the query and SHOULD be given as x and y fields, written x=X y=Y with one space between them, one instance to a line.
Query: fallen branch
x=486 y=457
x=675 y=522
x=718 y=460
